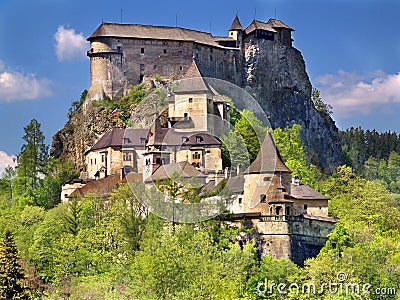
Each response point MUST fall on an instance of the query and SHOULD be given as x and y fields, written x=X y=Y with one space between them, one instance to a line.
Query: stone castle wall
x=116 y=64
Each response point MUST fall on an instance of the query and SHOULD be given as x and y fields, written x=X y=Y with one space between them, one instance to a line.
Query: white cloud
x=19 y=86
x=6 y=161
x=69 y=44
x=353 y=94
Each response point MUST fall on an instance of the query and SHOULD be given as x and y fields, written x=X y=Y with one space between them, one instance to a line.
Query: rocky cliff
x=277 y=76
x=80 y=133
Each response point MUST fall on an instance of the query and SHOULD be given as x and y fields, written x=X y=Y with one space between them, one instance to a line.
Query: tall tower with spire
x=236 y=32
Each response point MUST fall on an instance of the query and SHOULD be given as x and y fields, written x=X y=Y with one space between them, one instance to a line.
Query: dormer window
x=199 y=139
x=126 y=141
x=142 y=140
x=184 y=139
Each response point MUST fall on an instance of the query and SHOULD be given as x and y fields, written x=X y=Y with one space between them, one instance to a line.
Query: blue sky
x=351 y=49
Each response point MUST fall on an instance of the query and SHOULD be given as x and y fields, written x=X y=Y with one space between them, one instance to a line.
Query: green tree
x=76 y=104
x=252 y=132
x=292 y=150
x=323 y=108
x=32 y=160
x=11 y=274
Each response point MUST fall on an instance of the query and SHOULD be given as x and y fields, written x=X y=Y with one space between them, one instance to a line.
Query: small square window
x=180 y=68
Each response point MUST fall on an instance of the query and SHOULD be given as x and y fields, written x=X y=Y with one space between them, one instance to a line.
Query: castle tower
x=236 y=31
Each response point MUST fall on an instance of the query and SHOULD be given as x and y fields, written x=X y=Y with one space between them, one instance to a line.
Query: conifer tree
x=11 y=274
x=32 y=159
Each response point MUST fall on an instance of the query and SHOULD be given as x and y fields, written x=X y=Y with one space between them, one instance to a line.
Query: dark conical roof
x=268 y=159
x=236 y=25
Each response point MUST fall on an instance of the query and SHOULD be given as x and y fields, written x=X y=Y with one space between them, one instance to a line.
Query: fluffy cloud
x=6 y=161
x=353 y=94
x=19 y=86
x=69 y=44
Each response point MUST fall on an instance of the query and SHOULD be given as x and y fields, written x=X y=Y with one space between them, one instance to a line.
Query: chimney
x=295 y=180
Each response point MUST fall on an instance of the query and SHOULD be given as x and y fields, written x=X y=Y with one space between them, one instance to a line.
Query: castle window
x=305 y=206
x=185 y=116
x=155 y=67
x=141 y=67
x=119 y=50
x=141 y=50
x=165 y=51
x=240 y=200
x=95 y=161
x=278 y=210
x=287 y=211
x=180 y=52
x=91 y=161
x=190 y=100
x=102 y=158
x=180 y=68
x=263 y=198
x=211 y=58
x=196 y=155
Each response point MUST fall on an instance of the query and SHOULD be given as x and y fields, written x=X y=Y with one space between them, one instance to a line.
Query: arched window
x=278 y=210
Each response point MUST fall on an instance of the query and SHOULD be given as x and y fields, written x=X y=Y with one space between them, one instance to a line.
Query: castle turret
x=236 y=32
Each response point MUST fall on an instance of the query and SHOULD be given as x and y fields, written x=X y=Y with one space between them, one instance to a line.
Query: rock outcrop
x=276 y=75
x=80 y=133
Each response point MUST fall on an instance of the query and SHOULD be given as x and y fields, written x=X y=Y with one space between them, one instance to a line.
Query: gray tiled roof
x=236 y=25
x=259 y=25
x=154 y=32
x=305 y=192
x=279 y=24
x=268 y=159
x=184 y=169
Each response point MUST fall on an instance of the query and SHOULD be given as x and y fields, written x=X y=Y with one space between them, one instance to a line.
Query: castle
x=290 y=218
x=122 y=55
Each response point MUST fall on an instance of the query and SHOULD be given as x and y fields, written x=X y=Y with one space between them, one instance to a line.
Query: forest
x=109 y=247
